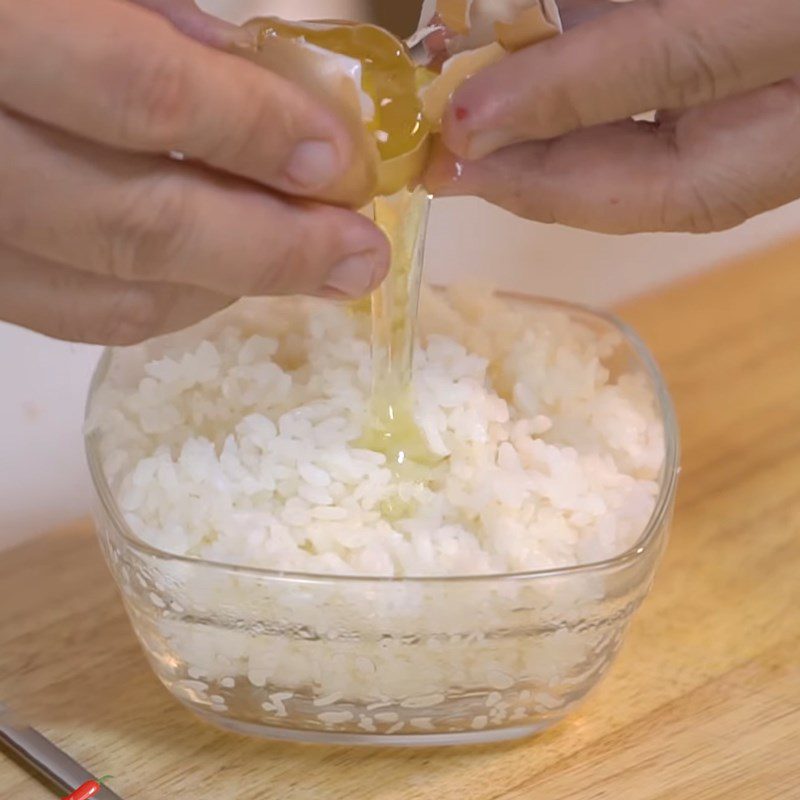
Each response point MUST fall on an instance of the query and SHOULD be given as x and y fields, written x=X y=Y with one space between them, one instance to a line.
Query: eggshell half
x=455 y=14
x=531 y=26
x=335 y=80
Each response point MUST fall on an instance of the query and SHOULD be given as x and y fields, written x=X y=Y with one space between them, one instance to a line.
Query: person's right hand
x=547 y=132
x=103 y=238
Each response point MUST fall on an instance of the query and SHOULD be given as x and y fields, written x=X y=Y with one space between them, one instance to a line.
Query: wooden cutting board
x=703 y=704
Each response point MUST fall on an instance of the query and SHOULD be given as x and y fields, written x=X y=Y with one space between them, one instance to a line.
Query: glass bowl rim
x=646 y=541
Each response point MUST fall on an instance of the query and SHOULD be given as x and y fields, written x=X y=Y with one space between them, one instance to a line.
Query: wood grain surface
x=703 y=703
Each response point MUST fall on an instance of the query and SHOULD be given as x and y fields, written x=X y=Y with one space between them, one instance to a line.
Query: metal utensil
x=44 y=757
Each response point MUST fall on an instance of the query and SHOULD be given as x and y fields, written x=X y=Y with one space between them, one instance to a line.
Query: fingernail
x=485 y=143
x=313 y=164
x=354 y=276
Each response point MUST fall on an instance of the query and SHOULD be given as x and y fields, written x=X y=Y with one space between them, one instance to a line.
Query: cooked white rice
x=234 y=442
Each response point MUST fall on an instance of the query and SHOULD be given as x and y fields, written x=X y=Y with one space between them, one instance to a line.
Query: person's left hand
x=193 y=21
x=103 y=237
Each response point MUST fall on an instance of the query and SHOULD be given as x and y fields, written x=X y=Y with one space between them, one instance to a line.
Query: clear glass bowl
x=411 y=661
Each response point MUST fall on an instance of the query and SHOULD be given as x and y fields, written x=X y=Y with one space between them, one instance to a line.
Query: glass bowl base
x=449 y=739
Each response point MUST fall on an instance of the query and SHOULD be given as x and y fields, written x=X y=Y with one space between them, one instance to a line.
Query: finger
x=712 y=169
x=650 y=54
x=77 y=306
x=119 y=74
x=145 y=218
x=206 y=28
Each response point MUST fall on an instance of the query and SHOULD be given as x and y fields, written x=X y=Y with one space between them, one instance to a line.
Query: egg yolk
x=389 y=77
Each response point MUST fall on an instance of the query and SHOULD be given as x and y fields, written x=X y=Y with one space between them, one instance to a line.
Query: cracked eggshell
x=426 y=16
x=483 y=16
x=455 y=15
x=335 y=80
x=531 y=25
x=496 y=27
x=471 y=24
x=403 y=171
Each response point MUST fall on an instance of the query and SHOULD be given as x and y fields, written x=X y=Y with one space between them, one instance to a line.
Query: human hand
x=547 y=134
x=103 y=238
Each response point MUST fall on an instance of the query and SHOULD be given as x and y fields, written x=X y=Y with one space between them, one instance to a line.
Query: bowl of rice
x=275 y=594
